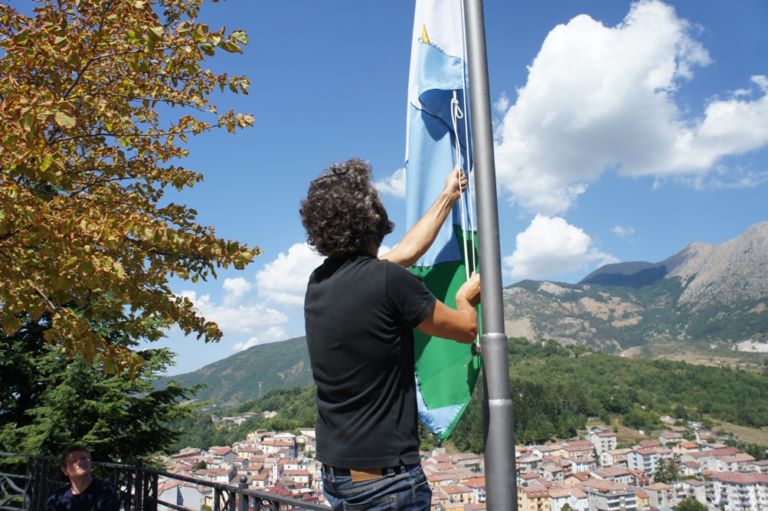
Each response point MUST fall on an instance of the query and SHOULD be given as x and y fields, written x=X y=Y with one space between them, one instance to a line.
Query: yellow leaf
x=155 y=33
x=240 y=36
x=46 y=163
x=11 y=324
x=64 y=121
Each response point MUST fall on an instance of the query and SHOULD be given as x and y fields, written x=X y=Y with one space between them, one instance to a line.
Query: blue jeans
x=407 y=489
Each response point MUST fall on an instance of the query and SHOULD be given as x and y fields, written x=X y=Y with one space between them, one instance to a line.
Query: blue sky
x=624 y=131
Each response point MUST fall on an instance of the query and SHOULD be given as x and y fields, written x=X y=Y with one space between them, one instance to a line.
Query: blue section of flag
x=431 y=146
x=437 y=420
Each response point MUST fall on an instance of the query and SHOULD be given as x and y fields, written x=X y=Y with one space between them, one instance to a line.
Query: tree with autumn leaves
x=98 y=99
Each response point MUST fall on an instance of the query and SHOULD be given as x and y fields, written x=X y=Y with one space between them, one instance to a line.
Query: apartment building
x=736 y=491
x=607 y=496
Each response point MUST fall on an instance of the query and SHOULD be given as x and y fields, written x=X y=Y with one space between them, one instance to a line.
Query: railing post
x=138 y=486
x=232 y=502
x=42 y=470
x=36 y=482
x=151 y=504
x=125 y=481
x=243 y=498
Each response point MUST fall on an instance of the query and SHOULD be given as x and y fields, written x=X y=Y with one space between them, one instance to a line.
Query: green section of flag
x=446 y=370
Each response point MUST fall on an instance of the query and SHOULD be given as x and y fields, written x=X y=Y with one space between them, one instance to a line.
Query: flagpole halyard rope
x=470 y=163
x=457 y=114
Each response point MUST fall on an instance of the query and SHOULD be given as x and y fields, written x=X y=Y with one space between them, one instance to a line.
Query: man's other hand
x=470 y=290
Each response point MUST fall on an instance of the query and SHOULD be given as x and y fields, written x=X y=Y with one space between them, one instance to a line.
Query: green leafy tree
x=757 y=451
x=640 y=419
x=681 y=412
x=49 y=400
x=690 y=504
x=97 y=101
x=666 y=471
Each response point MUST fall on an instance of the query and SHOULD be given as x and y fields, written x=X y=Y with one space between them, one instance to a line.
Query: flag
x=437 y=141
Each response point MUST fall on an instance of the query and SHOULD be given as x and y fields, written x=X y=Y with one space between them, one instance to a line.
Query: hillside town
x=589 y=473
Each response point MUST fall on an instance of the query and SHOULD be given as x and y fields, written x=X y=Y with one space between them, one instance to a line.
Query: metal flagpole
x=501 y=481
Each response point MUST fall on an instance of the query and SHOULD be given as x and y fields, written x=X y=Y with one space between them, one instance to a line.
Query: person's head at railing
x=75 y=462
x=84 y=491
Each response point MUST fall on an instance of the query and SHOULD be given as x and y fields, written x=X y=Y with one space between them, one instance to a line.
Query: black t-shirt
x=99 y=496
x=359 y=313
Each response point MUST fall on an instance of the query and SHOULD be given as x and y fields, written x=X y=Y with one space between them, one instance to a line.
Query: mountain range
x=703 y=294
x=703 y=297
x=250 y=373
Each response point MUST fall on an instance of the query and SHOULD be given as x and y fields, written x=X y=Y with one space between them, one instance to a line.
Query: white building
x=691 y=488
x=734 y=463
x=582 y=464
x=647 y=458
x=734 y=491
x=574 y=497
x=222 y=455
x=614 y=457
x=607 y=496
x=661 y=495
x=603 y=441
x=616 y=474
x=181 y=494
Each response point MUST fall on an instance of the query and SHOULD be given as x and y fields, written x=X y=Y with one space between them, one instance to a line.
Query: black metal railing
x=26 y=481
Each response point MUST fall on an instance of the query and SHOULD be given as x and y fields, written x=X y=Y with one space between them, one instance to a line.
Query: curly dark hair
x=342 y=212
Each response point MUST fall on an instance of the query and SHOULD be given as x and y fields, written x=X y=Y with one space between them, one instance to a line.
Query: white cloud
x=393 y=185
x=739 y=178
x=502 y=104
x=236 y=317
x=720 y=178
x=622 y=232
x=272 y=334
x=551 y=246
x=601 y=98
x=284 y=280
x=730 y=127
x=234 y=289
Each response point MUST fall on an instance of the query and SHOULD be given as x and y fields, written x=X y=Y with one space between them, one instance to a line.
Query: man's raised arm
x=421 y=236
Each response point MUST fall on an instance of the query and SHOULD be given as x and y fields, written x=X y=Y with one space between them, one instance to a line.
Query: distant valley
x=705 y=304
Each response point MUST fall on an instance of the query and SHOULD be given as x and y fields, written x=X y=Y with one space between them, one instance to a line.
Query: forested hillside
x=554 y=390
x=238 y=379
